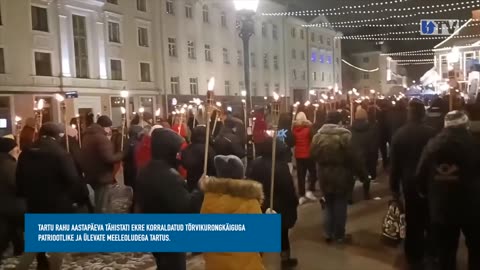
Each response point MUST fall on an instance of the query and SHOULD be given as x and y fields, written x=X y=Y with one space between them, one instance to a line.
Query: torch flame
x=74 y=126
x=141 y=110
x=124 y=94
x=18 y=119
x=182 y=111
x=219 y=104
x=307 y=103
x=40 y=104
x=316 y=106
x=157 y=113
x=174 y=102
x=77 y=115
x=59 y=97
x=124 y=111
x=211 y=84
x=372 y=91
x=275 y=96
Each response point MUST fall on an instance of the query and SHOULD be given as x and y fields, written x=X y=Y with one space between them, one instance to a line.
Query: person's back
x=303 y=136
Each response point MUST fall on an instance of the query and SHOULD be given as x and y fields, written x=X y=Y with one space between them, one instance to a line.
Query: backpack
x=118 y=199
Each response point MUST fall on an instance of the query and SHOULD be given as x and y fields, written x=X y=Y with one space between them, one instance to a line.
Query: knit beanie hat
x=334 y=118
x=104 y=121
x=456 y=119
x=229 y=167
x=51 y=129
x=361 y=114
x=7 y=145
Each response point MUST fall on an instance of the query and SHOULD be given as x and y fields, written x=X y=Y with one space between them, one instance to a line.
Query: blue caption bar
x=152 y=233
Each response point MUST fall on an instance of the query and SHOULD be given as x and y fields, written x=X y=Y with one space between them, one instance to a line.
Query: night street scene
x=358 y=121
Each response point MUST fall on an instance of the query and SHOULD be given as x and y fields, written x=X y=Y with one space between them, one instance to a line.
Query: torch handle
x=207 y=142
x=274 y=158
x=124 y=120
x=79 y=126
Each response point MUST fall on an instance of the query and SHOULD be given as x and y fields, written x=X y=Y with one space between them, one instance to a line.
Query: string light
x=414 y=60
x=313 y=11
x=407 y=52
x=409 y=64
x=451 y=6
x=409 y=38
x=359 y=68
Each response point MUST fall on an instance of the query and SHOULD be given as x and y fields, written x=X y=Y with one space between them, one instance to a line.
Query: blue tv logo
x=438 y=27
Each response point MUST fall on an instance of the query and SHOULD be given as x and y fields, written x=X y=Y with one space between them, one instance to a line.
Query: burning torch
x=61 y=100
x=275 y=117
x=209 y=108
x=18 y=128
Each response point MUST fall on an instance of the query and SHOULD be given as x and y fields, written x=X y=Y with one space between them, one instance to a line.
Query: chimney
x=476 y=14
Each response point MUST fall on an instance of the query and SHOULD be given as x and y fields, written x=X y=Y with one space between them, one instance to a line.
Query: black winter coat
x=365 y=141
x=228 y=143
x=435 y=119
x=285 y=200
x=192 y=160
x=9 y=204
x=46 y=177
x=448 y=177
x=405 y=152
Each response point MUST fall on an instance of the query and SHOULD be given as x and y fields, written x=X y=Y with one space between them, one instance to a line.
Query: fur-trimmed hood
x=231 y=196
x=302 y=123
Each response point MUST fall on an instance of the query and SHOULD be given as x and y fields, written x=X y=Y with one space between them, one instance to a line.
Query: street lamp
x=246 y=10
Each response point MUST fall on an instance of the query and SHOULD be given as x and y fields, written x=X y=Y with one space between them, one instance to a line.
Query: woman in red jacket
x=302 y=131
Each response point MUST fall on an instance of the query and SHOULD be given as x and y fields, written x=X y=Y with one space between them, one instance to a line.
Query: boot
x=288 y=261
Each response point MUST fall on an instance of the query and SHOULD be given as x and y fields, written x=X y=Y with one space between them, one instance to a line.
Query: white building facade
x=155 y=49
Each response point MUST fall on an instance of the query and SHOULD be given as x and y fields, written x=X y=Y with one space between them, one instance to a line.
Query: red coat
x=260 y=128
x=303 y=139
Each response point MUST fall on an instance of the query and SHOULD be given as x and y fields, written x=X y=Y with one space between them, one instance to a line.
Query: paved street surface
x=366 y=252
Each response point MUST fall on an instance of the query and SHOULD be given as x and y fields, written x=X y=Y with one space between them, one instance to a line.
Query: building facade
x=156 y=49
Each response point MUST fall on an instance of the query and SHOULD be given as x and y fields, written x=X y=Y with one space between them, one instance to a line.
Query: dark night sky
x=393 y=45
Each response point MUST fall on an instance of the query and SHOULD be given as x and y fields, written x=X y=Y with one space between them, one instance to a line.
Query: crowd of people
x=431 y=159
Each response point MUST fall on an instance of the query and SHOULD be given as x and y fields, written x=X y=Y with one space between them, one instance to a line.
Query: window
x=443 y=59
x=142 y=5
x=225 y=56
x=2 y=61
x=227 y=88
x=302 y=34
x=264 y=29
x=294 y=32
x=277 y=88
x=80 y=46
x=114 y=32
x=191 y=49
x=116 y=69
x=294 y=73
x=147 y=104
x=323 y=76
x=145 y=72
x=223 y=19
x=194 y=86
x=304 y=75
x=312 y=37
x=43 y=64
x=329 y=42
x=314 y=76
x=294 y=54
x=314 y=57
x=205 y=14
x=208 y=53
x=274 y=32
x=253 y=60
x=170 y=8
x=321 y=39
x=254 y=89
x=175 y=85
x=329 y=59
x=265 y=61
x=275 y=62
x=322 y=59
x=239 y=58
x=303 y=55
x=39 y=19
x=366 y=59
x=267 y=89
x=189 y=11
x=142 y=37
x=115 y=2
x=172 y=47
x=366 y=76
x=336 y=44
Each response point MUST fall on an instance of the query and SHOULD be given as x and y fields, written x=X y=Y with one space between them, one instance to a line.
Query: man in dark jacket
x=129 y=167
x=11 y=209
x=228 y=142
x=406 y=149
x=160 y=189
x=337 y=167
x=48 y=181
x=193 y=157
x=448 y=177
x=435 y=115
x=98 y=157
x=285 y=200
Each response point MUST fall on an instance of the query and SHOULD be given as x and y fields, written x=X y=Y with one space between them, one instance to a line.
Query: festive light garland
x=414 y=60
x=361 y=25
x=369 y=11
x=410 y=64
x=408 y=52
x=359 y=68
x=315 y=11
x=408 y=38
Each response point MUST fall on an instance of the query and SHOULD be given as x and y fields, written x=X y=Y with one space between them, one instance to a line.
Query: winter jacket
x=396 y=118
x=337 y=163
x=405 y=151
x=159 y=186
x=285 y=200
x=227 y=143
x=9 y=204
x=303 y=138
x=97 y=157
x=46 y=177
x=238 y=127
x=259 y=128
x=232 y=196
x=448 y=176
x=365 y=141
x=143 y=153
x=129 y=164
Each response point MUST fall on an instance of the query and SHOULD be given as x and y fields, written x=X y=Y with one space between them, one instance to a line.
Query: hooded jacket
x=232 y=196
x=97 y=156
x=337 y=162
x=365 y=140
x=285 y=200
x=448 y=176
x=159 y=186
x=302 y=133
